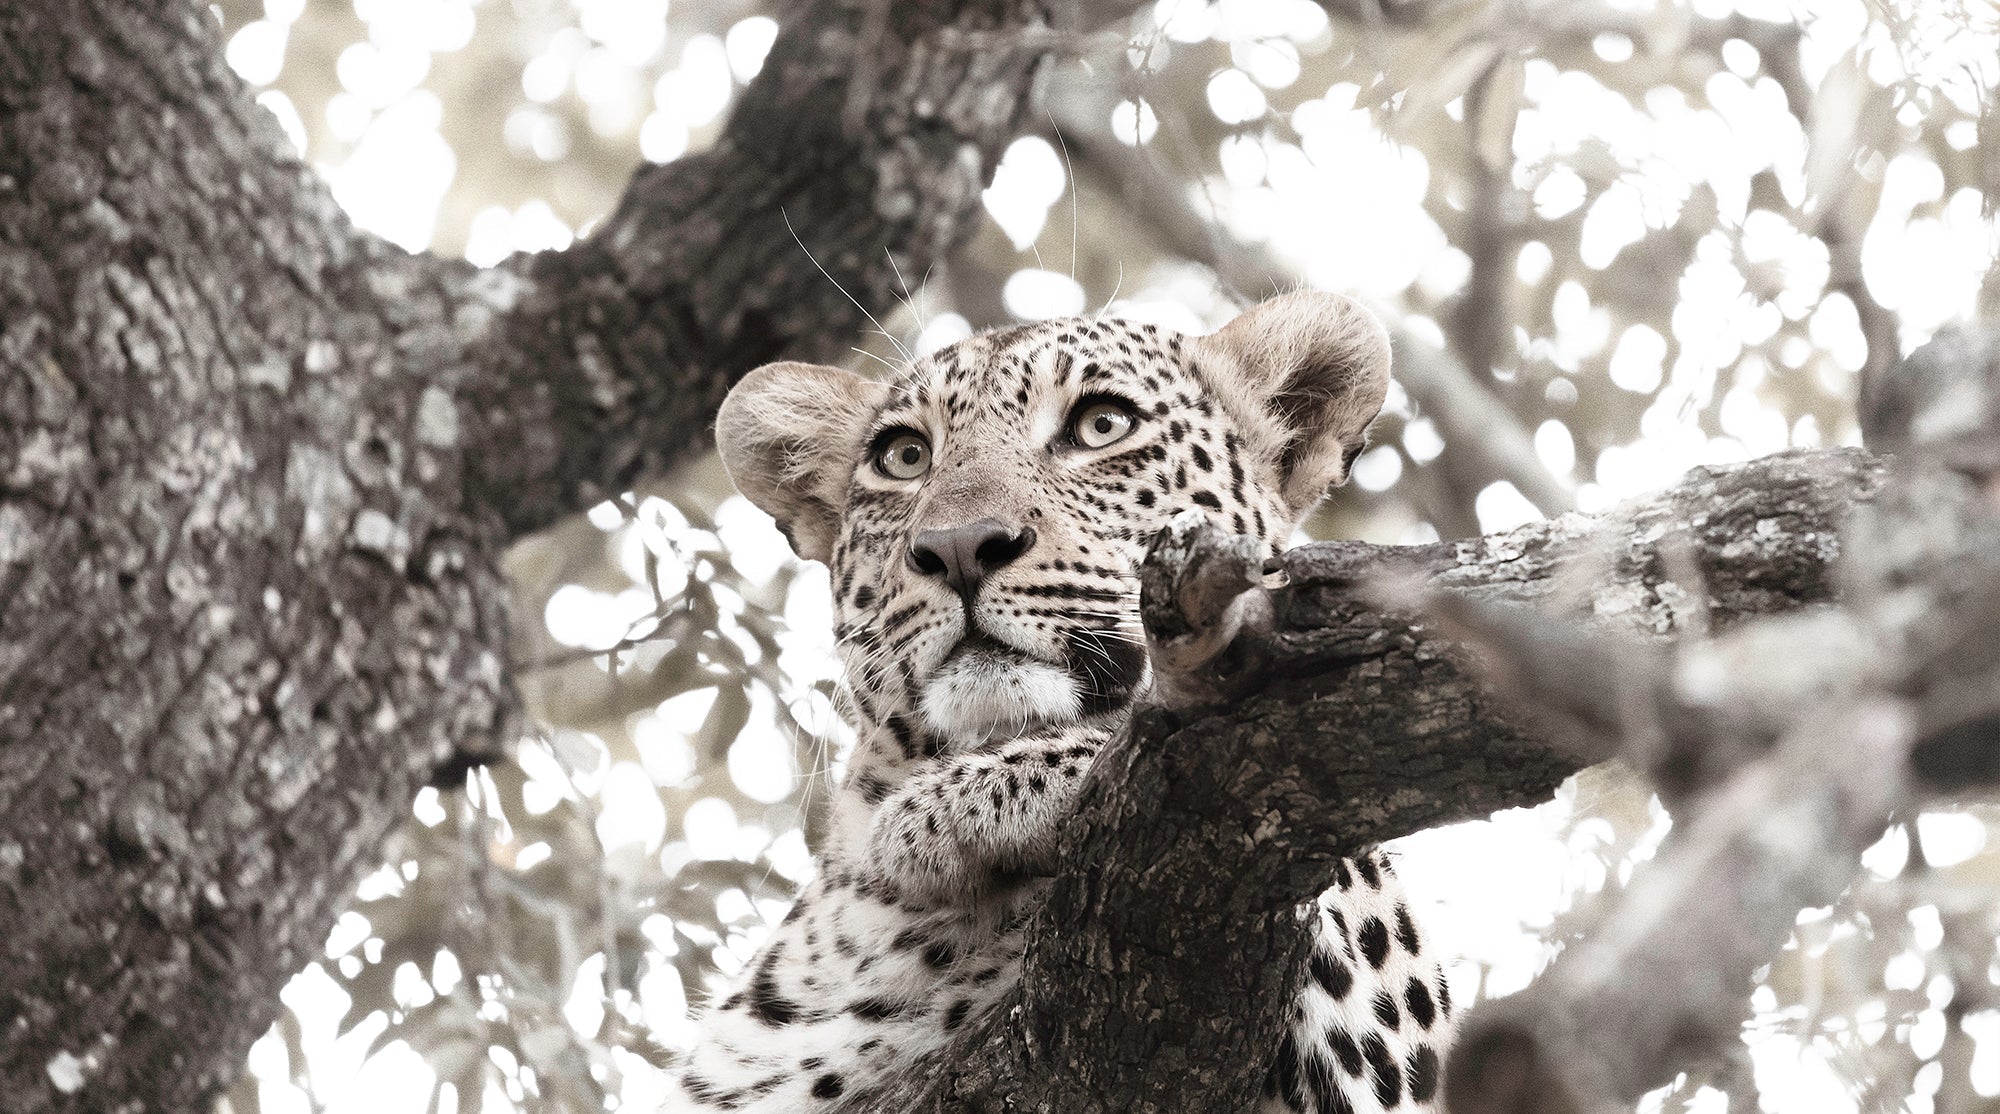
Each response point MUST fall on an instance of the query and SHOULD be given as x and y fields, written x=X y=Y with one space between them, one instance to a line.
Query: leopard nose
x=963 y=556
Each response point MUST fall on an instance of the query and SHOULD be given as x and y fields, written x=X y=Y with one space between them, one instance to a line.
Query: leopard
x=983 y=515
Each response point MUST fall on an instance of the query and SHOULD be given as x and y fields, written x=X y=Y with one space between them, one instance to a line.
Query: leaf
x=1499 y=106
x=390 y=1034
x=715 y=875
x=724 y=722
x=371 y=989
x=1840 y=121
x=579 y=752
x=1449 y=80
x=641 y=1043
x=544 y=1046
x=464 y=1062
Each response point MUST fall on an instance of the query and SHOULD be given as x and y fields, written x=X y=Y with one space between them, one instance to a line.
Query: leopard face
x=985 y=571
x=984 y=515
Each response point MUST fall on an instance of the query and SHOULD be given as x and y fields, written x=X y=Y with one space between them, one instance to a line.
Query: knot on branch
x=1199 y=589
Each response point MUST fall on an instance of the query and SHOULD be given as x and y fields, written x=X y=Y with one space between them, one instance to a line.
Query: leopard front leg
x=967 y=821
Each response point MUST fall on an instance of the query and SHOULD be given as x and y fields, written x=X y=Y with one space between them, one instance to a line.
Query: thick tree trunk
x=257 y=469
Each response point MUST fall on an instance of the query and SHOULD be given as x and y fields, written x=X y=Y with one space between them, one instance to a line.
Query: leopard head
x=984 y=514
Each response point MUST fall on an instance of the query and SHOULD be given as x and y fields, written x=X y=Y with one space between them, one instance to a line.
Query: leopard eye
x=903 y=455
x=1100 y=423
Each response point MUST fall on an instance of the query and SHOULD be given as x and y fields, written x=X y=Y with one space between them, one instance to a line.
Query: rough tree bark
x=257 y=469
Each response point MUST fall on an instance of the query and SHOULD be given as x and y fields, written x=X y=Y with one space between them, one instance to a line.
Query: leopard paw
x=1198 y=587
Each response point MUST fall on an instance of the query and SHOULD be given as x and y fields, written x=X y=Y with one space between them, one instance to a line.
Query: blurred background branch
x=1785 y=746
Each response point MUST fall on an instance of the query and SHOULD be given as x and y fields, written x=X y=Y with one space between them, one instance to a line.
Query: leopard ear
x=790 y=434
x=1305 y=373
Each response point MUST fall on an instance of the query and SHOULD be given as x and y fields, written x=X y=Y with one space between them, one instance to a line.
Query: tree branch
x=1201 y=832
x=605 y=362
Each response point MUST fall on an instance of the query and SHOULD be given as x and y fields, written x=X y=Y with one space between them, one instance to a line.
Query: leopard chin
x=983 y=692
